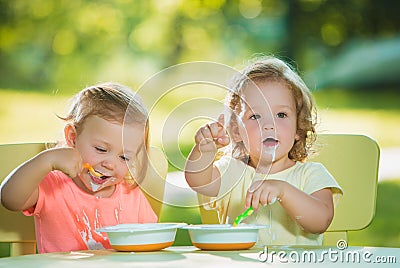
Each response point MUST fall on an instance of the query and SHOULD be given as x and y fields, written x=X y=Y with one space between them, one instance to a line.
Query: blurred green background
x=346 y=50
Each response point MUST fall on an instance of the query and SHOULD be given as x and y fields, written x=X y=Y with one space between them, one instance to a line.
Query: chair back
x=19 y=230
x=353 y=160
x=153 y=185
x=16 y=228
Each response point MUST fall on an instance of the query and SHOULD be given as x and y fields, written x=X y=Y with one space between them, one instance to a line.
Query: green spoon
x=242 y=216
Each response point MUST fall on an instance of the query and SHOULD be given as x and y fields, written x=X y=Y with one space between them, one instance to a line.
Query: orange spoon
x=92 y=171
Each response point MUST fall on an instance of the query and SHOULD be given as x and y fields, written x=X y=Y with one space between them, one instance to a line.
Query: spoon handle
x=91 y=170
x=242 y=216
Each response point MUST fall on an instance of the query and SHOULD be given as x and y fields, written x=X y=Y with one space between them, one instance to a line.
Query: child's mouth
x=270 y=142
x=95 y=176
x=98 y=180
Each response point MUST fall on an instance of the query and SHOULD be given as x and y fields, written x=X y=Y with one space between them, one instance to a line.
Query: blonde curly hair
x=274 y=70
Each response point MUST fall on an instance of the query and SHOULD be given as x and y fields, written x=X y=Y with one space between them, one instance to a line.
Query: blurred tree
x=66 y=44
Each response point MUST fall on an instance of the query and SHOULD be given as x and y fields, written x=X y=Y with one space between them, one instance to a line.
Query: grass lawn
x=385 y=227
x=30 y=116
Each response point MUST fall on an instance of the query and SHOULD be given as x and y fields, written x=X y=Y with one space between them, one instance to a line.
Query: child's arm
x=313 y=212
x=19 y=190
x=200 y=173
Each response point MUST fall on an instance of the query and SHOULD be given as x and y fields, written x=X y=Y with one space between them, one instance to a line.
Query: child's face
x=269 y=121
x=101 y=144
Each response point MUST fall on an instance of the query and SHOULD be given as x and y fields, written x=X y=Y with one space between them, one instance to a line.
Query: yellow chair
x=19 y=230
x=15 y=228
x=153 y=185
x=353 y=160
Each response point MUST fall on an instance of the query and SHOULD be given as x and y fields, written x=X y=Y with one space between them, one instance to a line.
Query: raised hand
x=212 y=136
x=65 y=159
x=20 y=188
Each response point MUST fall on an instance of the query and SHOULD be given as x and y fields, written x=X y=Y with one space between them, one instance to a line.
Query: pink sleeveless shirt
x=66 y=218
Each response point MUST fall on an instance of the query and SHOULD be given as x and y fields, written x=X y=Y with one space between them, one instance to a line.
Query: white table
x=192 y=257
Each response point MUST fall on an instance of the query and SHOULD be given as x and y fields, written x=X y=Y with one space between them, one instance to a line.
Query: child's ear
x=297 y=137
x=70 y=134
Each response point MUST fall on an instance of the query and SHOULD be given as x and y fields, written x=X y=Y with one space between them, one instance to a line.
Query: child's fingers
x=253 y=196
x=220 y=132
x=203 y=134
x=213 y=132
x=206 y=132
x=249 y=197
x=258 y=193
x=264 y=197
x=223 y=141
x=198 y=137
x=204 y=139
x=255 y=186
x=221 y=128
x=255 y=200
x=79 y=165
x=214 y=129
x=221 y=119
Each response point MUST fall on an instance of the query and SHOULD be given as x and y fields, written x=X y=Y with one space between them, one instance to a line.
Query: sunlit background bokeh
x=346 y=50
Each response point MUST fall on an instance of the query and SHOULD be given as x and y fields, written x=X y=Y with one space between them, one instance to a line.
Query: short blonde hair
x=276 y=70
x=115 y=103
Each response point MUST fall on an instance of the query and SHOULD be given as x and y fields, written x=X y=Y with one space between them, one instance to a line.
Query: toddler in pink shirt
x=91 y=181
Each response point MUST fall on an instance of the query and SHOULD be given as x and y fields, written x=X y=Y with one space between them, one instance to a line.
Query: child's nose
x=108 y=163
x=268 y=125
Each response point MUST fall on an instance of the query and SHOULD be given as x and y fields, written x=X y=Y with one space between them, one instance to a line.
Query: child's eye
x=125 y=158
x=101 y=149
x=281 y=115
x=255 y=117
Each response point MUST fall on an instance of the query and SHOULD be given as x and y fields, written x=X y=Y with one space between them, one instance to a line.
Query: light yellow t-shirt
x=236 y=178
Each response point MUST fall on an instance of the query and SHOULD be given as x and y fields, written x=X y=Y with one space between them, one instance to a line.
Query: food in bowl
x=224 y=236
x=141 y=236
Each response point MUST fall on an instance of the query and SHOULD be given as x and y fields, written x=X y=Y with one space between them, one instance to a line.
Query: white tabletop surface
x=177 y=257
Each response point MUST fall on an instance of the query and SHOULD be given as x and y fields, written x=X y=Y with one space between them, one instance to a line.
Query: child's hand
x=264 y=192
x=67 y=160
x=212 y=136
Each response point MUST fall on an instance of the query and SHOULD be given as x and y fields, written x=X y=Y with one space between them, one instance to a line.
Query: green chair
x=353 y=160
x=19 y=231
